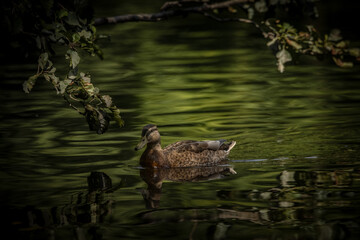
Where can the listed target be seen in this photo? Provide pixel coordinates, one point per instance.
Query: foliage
(286, 41)
(55, 24)
(36, 26)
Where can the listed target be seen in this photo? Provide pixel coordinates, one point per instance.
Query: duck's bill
(141, 144)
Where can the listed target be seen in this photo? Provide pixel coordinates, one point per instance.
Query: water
(296, 159)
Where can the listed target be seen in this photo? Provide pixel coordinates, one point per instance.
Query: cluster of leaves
(99, 110)
(66, 28)
(287, 41)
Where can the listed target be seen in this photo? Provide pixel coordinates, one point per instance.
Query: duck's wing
(199, 146)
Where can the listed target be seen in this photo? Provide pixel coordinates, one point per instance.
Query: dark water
(297, 154)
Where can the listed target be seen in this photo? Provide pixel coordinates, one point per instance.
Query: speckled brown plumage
(180, 154)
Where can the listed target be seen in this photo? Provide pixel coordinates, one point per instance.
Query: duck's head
(149, 135)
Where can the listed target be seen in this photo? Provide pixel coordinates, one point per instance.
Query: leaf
(107, 100)
(283, 57)
(355, 52)
(97, 119)
(260, 6)
(335, 35)
(294, 44)
(52, 70)
(76, 37)
(29, 84)
(342, 44)
(316, 50)
(74, 58)
(43, 59)
(274, 40)
(72, 19)
(54, 79)
(90, 89)
(116, 116)
(86, 34)
(85, 77)
(49, 64)
(63, 13)
(47, 77)
(251, 13)
(63, 85)
(93, 29)
(72, 73)
(342, 64)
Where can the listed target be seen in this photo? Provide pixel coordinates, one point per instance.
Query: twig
(72, 106)
(180, 3)
(155, 17)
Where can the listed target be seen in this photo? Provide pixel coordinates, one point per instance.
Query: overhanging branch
(165, 14)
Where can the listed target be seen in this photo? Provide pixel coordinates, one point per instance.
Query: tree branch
(155, 17)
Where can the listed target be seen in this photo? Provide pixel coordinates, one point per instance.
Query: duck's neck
(154, 146)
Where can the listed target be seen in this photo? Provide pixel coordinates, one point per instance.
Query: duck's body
(181, 154)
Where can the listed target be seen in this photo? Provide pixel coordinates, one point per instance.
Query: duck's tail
(231, 145)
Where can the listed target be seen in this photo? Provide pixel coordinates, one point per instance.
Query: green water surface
(297, 154)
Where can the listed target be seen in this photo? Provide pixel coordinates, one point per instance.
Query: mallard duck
(180, 154)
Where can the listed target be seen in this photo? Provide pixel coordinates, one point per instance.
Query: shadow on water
(304, 205)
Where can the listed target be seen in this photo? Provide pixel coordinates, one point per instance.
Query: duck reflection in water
(155, 177)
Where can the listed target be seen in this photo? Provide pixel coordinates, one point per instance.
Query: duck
(188, 153)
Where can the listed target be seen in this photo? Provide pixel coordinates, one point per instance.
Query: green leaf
(342, 64)
(47, 77)
(43, 59)
(29, 84)
(90, 89)
(271, 42)
(85, 77)
(283, 57)
(107, 100)
(63, 85)
(97, 119)
(52, 70)
(260, 6)
(251, 13)
(54, 79)
(76, 37)
(355, 52)
(316, 50)
(86, 34)
(116, 116)
(72, 19)
(335, 35)
(342, 44)
(294, 44)
(74, 58)
(93, 29)
(63, 13)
